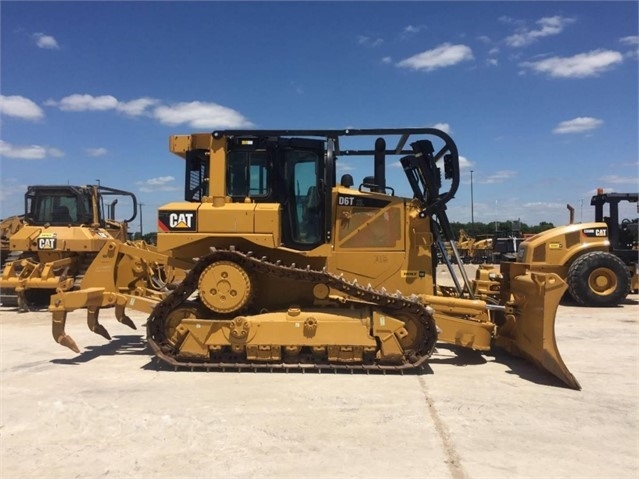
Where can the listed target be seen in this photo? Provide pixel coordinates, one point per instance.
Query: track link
(381, 300)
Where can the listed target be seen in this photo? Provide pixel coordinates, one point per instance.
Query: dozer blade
(528, 330)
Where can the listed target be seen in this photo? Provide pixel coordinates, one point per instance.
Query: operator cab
(73, 205)
(296, 170)
(57, 206)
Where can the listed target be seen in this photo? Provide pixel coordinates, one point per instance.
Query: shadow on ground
(459, 356)
(526, 370)
(119, 345)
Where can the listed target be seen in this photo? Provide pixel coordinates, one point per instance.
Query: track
(381, 301)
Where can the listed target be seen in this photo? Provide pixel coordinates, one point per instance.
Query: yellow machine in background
(8, 227)
(61, 233)
(287, 268)
(598, 260)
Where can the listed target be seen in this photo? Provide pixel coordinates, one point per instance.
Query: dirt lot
(109, 412)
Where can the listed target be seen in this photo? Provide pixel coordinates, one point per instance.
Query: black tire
(8, 298)
(598, 279)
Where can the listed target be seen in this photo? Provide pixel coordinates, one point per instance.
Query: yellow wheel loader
(63, 229)
(290, 269)
(598, 260)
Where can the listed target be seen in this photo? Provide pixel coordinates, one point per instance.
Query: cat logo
(595, 232)
(47, 241)
(177, 220)
(181, 221)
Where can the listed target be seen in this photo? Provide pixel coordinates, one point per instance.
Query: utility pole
(472, 202)
(141, 231)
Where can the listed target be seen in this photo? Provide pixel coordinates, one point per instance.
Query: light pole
(472, 202)
(141, 232)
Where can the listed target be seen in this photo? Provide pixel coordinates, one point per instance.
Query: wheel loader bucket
(528, 325)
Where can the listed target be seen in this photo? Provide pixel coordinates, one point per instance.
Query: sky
(541, 98)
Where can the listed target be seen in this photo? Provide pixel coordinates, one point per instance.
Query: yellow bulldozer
(60, 234)
(290, 269)
(8, 227)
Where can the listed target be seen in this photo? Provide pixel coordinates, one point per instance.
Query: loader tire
(598, 279)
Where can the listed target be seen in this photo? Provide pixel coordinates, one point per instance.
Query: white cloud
(577, 125)
(95, 152)
(465, 163)
(578, 66)
(631, 41)
(387, 60)
(410, 30)
(46, 41)
(498, 177)
(30, 152)
(444, 55)
(20, 107)
(510, 20)
(445, 127)
(196, 114)
(160, 183)
(368, 41)
(86, 102)
(136, 107)
(619, 180)
(544, 205)
(547, 26)
(200, 115)
(492, 62)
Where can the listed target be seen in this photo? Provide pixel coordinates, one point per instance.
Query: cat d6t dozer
(289, 269)
(61, 232)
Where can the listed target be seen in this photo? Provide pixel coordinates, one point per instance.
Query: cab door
(303, 170)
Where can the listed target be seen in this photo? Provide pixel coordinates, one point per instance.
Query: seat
(61, 215)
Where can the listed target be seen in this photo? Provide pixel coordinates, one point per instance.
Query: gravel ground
(110, 412)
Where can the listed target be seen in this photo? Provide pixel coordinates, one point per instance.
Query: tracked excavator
(290, 269)
(60, 234)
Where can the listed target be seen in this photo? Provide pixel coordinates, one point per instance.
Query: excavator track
(408, 308)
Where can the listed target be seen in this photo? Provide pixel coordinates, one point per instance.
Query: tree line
(503, 228)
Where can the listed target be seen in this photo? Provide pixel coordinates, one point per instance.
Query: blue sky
(540, 97)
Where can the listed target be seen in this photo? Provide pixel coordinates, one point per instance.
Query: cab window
(248, 174)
